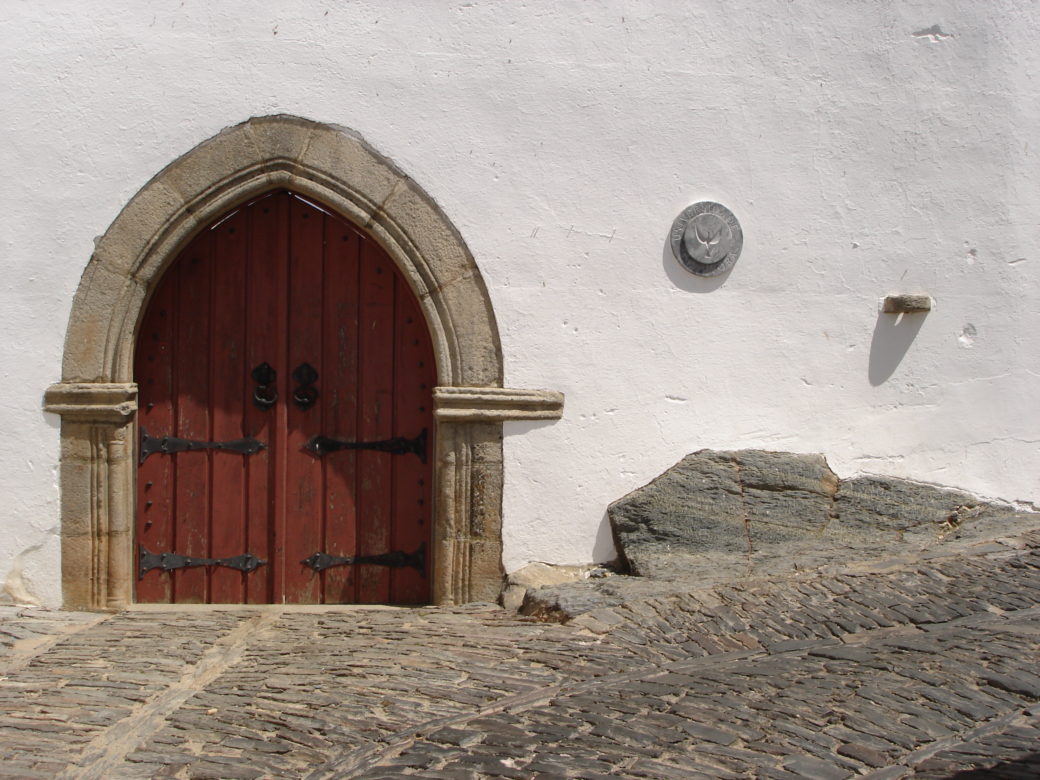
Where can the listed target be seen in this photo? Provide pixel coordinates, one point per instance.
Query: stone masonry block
(148, 213)
(372, 177)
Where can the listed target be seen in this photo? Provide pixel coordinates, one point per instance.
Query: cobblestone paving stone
(24, 632)
(927, 668)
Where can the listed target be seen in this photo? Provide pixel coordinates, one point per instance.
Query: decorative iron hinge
(168, 445)
(247, 562)
(398, 445)
(397, 559)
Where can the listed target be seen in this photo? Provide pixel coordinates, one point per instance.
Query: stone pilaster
(468, 536)
(97, 491)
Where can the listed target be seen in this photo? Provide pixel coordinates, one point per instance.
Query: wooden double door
(285, 377)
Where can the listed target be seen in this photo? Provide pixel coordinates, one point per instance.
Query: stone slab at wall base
(721, 516)
(539, 575)
(97, 398)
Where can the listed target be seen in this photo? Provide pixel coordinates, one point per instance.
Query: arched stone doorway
(97, 398)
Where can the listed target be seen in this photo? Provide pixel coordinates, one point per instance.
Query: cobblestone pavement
(920, 669)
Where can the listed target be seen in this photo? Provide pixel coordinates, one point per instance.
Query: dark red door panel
(235, 503)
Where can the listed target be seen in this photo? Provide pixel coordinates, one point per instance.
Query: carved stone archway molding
(97, 398)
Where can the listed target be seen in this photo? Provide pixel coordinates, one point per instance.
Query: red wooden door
(285, 374)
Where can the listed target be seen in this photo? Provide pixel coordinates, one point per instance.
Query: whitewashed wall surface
(868, 148)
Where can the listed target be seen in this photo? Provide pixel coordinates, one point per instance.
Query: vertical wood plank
(304, 473)
(415, 377)
(192, 494)
(375, 418)
(267, 332)
(339, 387)
(153, 371)
(229, 382)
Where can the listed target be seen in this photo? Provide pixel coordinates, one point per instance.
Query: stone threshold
(279, 608)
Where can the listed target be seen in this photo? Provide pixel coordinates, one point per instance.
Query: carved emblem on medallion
(706, 238)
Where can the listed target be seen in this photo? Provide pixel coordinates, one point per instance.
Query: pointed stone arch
(97, 398)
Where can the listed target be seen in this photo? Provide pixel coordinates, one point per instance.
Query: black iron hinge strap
(398, 445)
(167, 445)
(397, 559)
(167, 561)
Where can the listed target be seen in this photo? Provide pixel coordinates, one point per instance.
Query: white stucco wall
(862, 156)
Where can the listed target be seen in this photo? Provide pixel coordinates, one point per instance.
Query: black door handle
(306, 394)
(264, 395)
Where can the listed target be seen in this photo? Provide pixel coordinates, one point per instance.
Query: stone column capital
(92, 402)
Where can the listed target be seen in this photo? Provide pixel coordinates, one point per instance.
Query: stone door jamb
(97, 399)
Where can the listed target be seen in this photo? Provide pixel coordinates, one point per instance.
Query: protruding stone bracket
(85, 402)
(495, 404)
(906, 304)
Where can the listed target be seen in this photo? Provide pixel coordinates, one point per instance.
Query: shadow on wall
(893, 335)
(687, 281)
(604, 550)
(522, 427)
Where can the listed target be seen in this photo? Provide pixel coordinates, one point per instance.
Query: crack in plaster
(18, 590)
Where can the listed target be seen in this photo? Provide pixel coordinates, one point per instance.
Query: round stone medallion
(706, 238)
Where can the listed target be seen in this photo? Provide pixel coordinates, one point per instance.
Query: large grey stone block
(752, 515)
(899, 505)
(723, 502)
